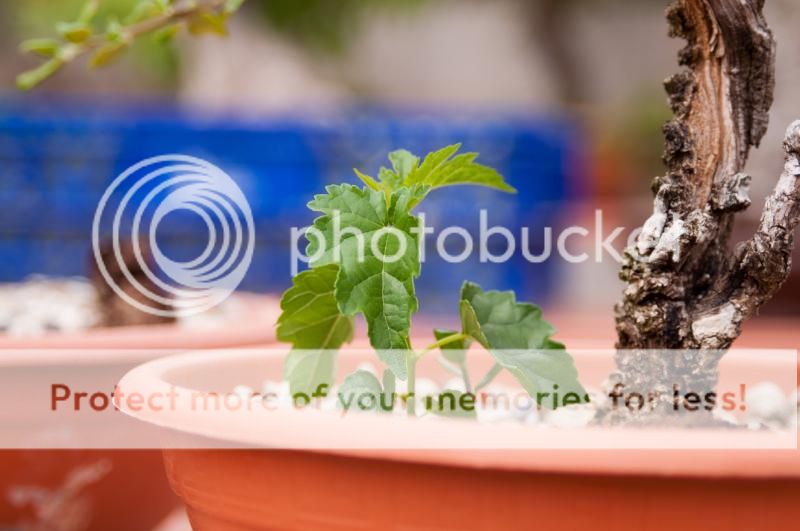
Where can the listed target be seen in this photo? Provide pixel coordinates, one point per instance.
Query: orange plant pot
(100, 490)
(336, 485)
(83, 489)
(269, 490)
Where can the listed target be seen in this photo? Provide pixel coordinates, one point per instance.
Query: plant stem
(449, 340)
(178, 13)
(452, 368)
(182, 11)
(486, 380)
(443, 343)
(411, 401)
(465, 377)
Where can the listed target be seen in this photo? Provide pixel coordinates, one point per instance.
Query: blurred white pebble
(571, 417)
(243, 391)
(767, 404)
(39, 305)
(368, 367)
(270, 390)
(455, 384)
(426, 387)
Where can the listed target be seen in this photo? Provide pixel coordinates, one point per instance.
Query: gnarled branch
(686, 288)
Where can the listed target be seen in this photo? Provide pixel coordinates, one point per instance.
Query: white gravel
(41, 304)
(768, 406)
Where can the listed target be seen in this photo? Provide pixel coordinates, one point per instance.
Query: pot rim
(141, 338)
(658, 452)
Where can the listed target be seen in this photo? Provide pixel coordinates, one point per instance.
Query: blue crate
(58, 157)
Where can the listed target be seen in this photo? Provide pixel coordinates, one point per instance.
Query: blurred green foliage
(320, 25)
(150, 57)
(324, 25)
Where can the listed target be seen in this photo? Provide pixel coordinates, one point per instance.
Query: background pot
(72, 490)
(337, 486)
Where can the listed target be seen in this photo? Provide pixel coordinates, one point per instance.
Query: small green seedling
(370, 269)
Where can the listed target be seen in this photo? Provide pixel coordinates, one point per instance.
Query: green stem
(489, 377)
(465, 377)
(178, 13)
(443, 343)
(439, 344)
(452, 368)
(411, 364)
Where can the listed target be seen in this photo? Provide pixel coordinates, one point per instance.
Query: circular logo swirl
(143, 196)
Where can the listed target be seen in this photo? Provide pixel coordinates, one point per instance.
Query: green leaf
(89, 11)
(417, 193)
(378, 268)
(75, 32)
(209, 23)
(395, 359)
(455, 352)
(440, 168)
(107, 54)
(545, 370)
(232, 6)
(166, 34)
(143, 10)
(445, 168)
(404, 163)
(470, 323)
(311, 317)
(361, 391)
(519, 340)
(31, 78)
(115, 32)
(312, 323)
(452, 404)
(42, 47)
(497, 321)
(309, 371)
(369, 181)
(390, 181)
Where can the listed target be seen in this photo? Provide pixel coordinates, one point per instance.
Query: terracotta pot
(83, 489)
(334, 483)
(77, 490)
(258, 328)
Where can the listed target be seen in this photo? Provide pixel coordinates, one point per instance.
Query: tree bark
(549, 29)
(686, 288)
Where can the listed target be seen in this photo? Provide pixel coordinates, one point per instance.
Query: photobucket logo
(134, 205)
(490, 244)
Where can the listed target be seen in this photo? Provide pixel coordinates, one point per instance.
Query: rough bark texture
(116, 311)
(686, 288)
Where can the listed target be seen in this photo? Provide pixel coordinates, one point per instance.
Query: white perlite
(41, 304)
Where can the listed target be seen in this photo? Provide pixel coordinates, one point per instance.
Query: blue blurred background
(59, 156)
(553, 93)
